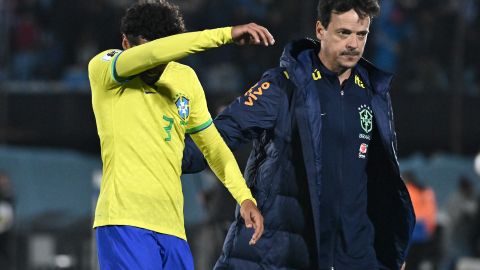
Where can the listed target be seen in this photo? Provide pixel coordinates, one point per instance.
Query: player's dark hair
(364, 8)
(151, 20)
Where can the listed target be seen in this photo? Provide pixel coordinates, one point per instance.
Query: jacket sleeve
(244, 119)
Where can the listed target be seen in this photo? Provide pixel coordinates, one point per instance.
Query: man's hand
(252, 34)
(253, 218)
(403, 266)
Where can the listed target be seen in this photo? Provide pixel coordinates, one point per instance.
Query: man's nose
(352, 42)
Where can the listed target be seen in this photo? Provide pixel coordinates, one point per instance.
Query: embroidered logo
(359, 82)
(183, 107)
(366, 118)
(364, 136)
(316, 75)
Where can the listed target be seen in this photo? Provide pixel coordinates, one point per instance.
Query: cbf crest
(183, 107)
(366, 118)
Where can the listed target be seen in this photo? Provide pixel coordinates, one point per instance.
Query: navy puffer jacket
(282, 116)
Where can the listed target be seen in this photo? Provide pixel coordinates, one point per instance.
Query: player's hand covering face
(253, 219)
(252, 34)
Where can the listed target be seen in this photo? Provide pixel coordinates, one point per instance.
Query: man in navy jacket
(323, 167)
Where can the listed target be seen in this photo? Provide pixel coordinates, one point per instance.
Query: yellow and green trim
(114, 71)
(200, 128)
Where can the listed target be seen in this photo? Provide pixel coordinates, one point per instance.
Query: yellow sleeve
(161, 51)
(199, 117)
(222, 162)
(206, 137)
(100, 70)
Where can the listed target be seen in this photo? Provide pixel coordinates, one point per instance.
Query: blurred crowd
(430, 45)
(446, 238)
(53, 40)
(6, 221)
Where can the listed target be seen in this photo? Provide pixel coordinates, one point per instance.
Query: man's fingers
(253, 219)
(252, 33)
(258, 225)
(248, 220)
(261, 34)
(254, 37)
(264, 35)
(268, 35)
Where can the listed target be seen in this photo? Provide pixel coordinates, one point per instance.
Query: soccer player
(324, 167)
(144, 104)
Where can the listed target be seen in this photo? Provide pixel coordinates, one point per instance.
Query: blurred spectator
(461, 209)
(6, 222)
(424, 62)
(75, 76)
(220, 209)
(26, 58)
(193, 186)
(430, 76)
(472, 87)
(223, 77)
(475, 244)
(393, 28)
(5, 26)
(424, 245)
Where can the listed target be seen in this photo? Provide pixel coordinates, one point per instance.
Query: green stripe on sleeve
(114, 71)
(200, 128)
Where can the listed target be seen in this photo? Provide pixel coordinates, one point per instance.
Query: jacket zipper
(337, 225)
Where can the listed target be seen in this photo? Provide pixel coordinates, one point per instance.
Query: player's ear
(125, 43)
(319, 30)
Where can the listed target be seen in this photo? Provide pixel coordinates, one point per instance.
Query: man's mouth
(350, 54)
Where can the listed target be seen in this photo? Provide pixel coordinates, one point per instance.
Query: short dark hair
(364, 8)
(151, 20)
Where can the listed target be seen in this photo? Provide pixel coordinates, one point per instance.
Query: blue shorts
(132, 248)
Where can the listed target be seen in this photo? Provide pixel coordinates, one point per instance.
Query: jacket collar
(297, 59)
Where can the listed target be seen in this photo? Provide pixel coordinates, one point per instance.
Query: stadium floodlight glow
(476, 164)
(63, 261)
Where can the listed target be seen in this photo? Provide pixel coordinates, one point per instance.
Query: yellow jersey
(142, 130)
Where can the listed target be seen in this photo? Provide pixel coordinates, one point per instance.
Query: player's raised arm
(149, 54)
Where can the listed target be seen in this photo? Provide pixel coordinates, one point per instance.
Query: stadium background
(50, 150)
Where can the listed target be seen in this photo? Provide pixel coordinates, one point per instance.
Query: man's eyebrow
(351, 31)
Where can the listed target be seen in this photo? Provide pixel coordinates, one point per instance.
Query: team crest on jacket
(183, 107)
(366, 118)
